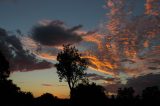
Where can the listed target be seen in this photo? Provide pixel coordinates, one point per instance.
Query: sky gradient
(24, 14)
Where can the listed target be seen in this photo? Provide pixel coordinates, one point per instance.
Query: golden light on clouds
(46, 56)
(125, 43)
(97, 63)
(95, 38)
(121, 48)
(152, 7)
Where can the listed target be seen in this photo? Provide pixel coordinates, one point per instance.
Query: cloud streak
(95, 77)
(47, 85)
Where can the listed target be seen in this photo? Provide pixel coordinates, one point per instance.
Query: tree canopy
(71, 65)
(4, 67)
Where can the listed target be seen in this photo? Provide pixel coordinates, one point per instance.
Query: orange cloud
(152, 7)
(47, 56)
(95, 38)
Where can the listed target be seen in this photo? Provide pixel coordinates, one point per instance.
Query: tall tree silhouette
(71, 65)
(4, 67)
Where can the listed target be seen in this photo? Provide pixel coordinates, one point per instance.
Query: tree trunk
(69, 84)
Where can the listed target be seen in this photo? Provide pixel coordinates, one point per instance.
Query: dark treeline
(84, 93)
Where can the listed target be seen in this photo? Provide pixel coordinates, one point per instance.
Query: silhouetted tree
(4, 67)
(71, 65)
(151, 92)
(151, 95)
(125, 96)
(10, 94)
(126, 93)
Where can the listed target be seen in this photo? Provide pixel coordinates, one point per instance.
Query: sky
(24, 14)
(121, 39)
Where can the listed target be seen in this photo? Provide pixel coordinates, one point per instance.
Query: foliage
(151, 93)
(88, 93)
(71, 65)
(126, 93)
(4, 67)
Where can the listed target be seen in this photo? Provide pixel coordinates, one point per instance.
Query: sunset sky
(120, 38)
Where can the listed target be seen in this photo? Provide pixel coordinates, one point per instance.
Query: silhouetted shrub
(46, 99)
(151, 95)
(88, 94)
(126, 93)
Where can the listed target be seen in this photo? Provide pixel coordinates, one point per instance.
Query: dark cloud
(91, 32)
(138, 83)
(3, 32)
(155, 61)
(75, 28)
(128, 60)
(49, 50)
(153, 68)
(19, 58)
(91, 75)
(55, 33)
(94, 76)
(47, 85)
(141, 82)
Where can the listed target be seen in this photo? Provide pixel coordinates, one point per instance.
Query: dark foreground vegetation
(82, 94)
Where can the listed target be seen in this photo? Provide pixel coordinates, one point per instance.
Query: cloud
(41, 51)
(141, 82)
(126, 46)
(94, 76)
(3, 32)
(128, 60)
(48, 85)
(55, 33)
(91, 75)
(138, 83)
(75, 28)
(153, 68)
(19, 58)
